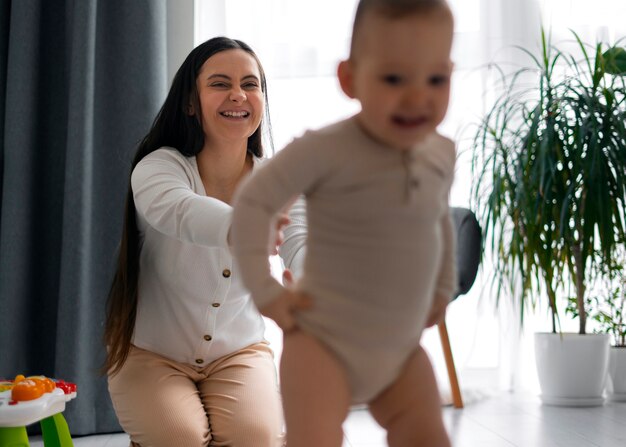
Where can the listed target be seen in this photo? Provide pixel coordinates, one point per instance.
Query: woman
(187, 361)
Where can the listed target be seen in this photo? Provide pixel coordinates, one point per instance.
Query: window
(300, 44)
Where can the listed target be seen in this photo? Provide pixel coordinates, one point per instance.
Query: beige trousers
(234, 401)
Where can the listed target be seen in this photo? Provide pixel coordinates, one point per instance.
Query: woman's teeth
(242, 114)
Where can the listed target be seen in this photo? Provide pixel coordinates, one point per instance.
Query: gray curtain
(80, 83)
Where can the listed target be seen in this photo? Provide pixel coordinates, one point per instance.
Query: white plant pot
(572, 368)
(616, 382)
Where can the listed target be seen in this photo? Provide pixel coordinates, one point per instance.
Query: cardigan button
(199, 361)
(226, 273)
(215, 304)
(207, 338)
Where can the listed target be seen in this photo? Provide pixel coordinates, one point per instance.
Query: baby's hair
(394, 9)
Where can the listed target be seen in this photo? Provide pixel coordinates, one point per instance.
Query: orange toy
(31, 388)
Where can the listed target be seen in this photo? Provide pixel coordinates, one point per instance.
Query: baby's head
(399, 68)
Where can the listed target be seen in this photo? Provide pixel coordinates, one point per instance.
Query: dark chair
(468, 254)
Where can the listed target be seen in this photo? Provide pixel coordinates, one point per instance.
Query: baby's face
(400, 73)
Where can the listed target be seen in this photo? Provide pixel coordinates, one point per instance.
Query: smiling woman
(187, 360)
(229, 104)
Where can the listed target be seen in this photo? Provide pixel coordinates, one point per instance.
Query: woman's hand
(281, 310)
(281, 222)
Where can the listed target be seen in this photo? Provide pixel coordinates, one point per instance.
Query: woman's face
(231, 99)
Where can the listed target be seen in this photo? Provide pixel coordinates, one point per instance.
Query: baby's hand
(437, 309)
(281, 222)
(282, 308)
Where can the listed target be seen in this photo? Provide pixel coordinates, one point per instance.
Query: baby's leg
(410, 409)
(316, 395)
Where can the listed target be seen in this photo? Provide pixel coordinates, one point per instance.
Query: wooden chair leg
(457, 400)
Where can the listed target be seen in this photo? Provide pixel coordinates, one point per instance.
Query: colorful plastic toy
(26, 400)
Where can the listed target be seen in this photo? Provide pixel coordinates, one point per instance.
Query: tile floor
(502, 420)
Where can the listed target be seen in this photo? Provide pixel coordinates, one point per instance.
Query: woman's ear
(190, 110)
(345, 75)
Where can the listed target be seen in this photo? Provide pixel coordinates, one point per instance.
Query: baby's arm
(271, 189)
(437, 309)
(252, 228)
(447, 282)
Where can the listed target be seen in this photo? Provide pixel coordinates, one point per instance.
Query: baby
(379, 265)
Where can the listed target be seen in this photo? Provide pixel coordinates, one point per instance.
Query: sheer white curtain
(300, 43)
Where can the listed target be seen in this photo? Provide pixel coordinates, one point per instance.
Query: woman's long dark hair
(173, 127)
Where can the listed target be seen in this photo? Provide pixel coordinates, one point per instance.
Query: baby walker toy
(26, 400)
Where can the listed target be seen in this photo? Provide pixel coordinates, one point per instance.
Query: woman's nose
(238, 95)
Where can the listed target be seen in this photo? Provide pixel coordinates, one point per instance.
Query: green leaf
(548, 163)
(615, 61)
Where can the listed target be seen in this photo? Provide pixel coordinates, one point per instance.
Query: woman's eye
(392, 79)
(250, 85)
(219, 85)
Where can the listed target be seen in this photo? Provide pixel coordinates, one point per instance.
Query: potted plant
(607, 309)
(549, 162)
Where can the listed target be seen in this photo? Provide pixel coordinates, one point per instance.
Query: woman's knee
(168, 429)
(170, 433)
(258, 434)
(166, 414)
(257, 430)
(185, 433)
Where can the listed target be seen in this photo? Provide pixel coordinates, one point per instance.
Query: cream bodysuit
(379, 245)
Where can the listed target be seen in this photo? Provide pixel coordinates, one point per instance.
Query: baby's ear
(345, 75)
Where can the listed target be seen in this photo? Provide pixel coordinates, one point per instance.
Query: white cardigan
(193, 307)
